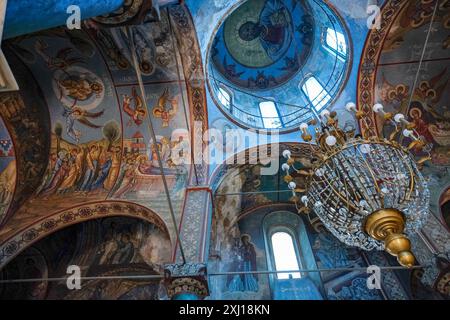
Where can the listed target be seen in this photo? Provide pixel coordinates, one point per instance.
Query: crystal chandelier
(368, 191)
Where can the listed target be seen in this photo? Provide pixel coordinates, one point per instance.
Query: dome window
(225, 98)
(315, 93)
(269, 114)
(285, 255)
(335, 42)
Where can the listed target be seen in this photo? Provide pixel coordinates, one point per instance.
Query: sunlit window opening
(315, 93)
(285, 256)
(336, 42)
(224, 98)
(270, 116)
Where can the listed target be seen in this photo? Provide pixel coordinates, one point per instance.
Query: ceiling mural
(426, 105)
(266, 51)
(99, 133)
(263, 43)
(26, 117)
(93, 168)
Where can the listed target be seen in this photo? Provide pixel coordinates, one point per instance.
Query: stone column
(189, 281)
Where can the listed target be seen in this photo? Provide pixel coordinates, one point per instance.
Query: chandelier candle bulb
(304, 199)
(331, 140)
(325, 114)
(351, 107)
(409, 133)
(305, 134)
(286, 154)
(378, 107)
(400, 118)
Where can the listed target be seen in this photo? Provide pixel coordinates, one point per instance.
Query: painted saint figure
(274, 30)
(72, 175)
(125, 250)
(244, 260)
(115, 168)
(248, 254)
(91, 163)
(105, 167)
(60, 172)
(166, 108)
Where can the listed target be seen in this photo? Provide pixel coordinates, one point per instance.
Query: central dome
(273, 64)
(263, 44)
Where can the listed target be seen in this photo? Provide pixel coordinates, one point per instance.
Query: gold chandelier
(367, 190)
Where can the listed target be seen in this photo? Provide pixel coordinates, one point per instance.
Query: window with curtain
(285, 255)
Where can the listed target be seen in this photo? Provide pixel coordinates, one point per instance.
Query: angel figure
(82, 116)
(162, 111)
(64, 58)
(135, 113)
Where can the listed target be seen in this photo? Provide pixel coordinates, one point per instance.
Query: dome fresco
(263, 43)
(290, 56)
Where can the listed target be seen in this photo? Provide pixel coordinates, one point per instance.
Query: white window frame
(323, 95)
(335, 51)
(221, 97)
(277, 255)
(270, 117)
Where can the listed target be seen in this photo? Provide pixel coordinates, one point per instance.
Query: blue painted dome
(273, 64)
(263, 44)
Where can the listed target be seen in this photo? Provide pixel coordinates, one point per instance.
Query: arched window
(315, 93)
(335, 42)
(269, 114)
(224, 98)
(285, 255)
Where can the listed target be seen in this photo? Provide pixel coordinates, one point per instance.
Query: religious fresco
(242, 188)
(108, 246)
(139, 177)
(263, 43)
(26, 118)
(426, 105)
(99, 137)
(156, 51)
(7, 170)
(243, 199)
(242, 249)
(84, 118)
(341, 284)
(259, 47)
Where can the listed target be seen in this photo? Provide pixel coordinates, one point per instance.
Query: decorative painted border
(188, 45)
(128, 13)
(44, 227)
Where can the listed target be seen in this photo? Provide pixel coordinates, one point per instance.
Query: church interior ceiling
(83, 181)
